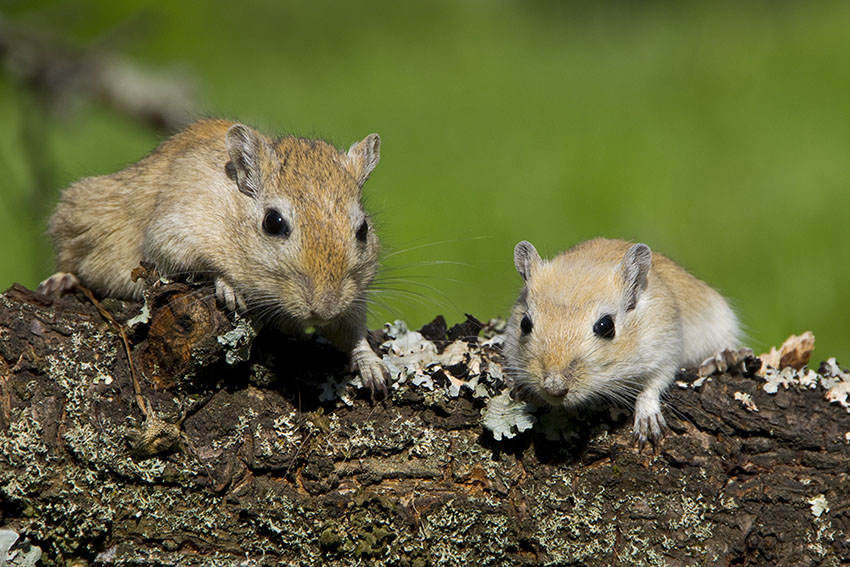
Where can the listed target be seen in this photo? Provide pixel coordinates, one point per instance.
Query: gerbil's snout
(323, 302)
(556, 385)
(325, 307)
(327, 287)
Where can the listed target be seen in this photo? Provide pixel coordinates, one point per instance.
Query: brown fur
(195, 206)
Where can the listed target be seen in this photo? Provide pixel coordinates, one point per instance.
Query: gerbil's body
(276, 225)
(608, 320)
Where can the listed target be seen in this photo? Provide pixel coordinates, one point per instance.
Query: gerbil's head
(308, 249)
(577, 331)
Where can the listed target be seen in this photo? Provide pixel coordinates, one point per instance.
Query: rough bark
(240, 462)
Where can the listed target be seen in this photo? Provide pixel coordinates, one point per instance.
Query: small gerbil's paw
(372, 371)
(649, 429)
(228, 296)
(726, 359)
(58, 283)
(649, 423)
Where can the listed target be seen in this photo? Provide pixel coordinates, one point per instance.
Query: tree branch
(276, 461)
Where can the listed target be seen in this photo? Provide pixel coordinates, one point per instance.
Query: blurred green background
(718, 133)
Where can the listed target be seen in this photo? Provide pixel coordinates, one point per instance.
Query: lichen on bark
(280, 460)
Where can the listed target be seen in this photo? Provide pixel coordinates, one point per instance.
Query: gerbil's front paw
(649, 423)
(372, 371)
(727, 359)
(228, 296)
(58, 283)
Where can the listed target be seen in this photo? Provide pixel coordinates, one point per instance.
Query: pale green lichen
(637, 550)
(819, 505)
(823, 538)
(237, 342)
(339, 389)
(408, 352)
(506, 417)
(143, 317)
(468, 532)
(286, 426)
(104, 446)
(570, 526)
(100, 443)
(728, 502)
(262, 375)
(424, 445)
(691, 521)
(565, 519)
(83, 506)
(237, 436)
(355, 440)
(23, 555)
(465, 453)
(287, 524)
(365, 535)
(834, 380)
(22, 447)
(411, 359)
(109, 453)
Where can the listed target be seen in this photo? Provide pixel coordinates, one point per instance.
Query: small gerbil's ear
(244, 146)
(636, 266)
(526, 259)
(364, 156)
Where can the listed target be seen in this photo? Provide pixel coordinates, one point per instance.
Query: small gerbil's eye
(526, 325)
(604, 328)
(274, 224)
(362, 231)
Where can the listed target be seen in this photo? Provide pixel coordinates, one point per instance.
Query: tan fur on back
(179, 209)
(697, 304)
(196, 207)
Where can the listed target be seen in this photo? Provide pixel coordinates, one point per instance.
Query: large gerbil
(276, 225)
(609, 320)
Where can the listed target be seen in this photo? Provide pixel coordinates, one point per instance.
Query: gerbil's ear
(244, 147)
(526, 259)
(636, 266)
(364, 156)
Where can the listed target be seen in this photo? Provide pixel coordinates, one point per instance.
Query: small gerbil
(610, 321)
(276, 225)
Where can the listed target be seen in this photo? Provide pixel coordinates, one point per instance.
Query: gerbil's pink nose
(556, 385)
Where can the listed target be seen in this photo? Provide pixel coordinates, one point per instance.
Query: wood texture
(253, 469)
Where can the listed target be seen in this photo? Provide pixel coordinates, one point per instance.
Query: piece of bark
(266, 473)
(795, 352)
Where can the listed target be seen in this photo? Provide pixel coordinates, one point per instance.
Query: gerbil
(609, 321)
(276, 225)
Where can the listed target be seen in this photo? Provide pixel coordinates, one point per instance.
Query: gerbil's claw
(649, 428)
(723, 361)
(228, 296)
(58, 283)
(375, 377)
(372, 371)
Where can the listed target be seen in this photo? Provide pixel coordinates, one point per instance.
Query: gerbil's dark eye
(526, 325)
(274, 224)
(362, 231)
(604, 328)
